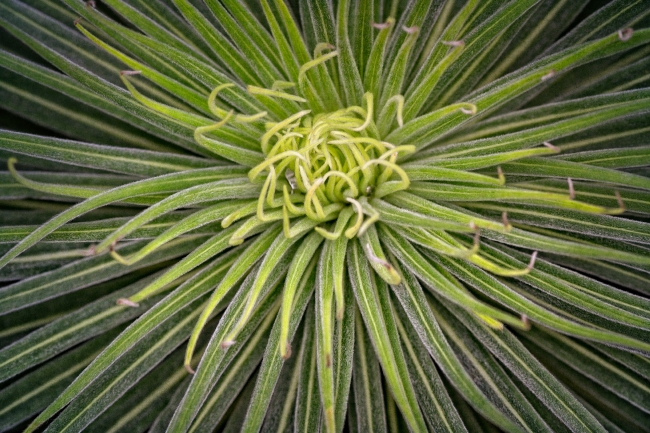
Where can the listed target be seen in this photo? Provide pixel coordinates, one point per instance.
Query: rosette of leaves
(324, 216)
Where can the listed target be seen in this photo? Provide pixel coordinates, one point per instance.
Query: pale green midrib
(630, 83)
(90, 230)
(601, 138)
(60, 280)
(234, 368)
(582, 193)
(80, 117)
(109, 157)
(50, 256)
(29, 325)
(504, 400)
(310, 388)
(291, 396)
(612, 368)
(60, 335)
(151, 396)
(134, 364)
(557, 217)
(422, 374)
(70, 371)
(522, 46)
(82, 53)
(366, 379)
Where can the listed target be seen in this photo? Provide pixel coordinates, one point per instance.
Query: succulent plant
(352, 215)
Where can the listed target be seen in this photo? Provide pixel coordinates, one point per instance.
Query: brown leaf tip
(552, 147)
(127, 303)
(287, 349)
(531, 264)
(548, 75)
(453, 43)
(525, 322)
(227, 343)
(625, 34)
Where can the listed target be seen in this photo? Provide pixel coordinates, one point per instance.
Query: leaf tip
(625, 34)
(227, 343)
(550, 74)
(127, 303)
(286, 351)
(552, 147)
(531, 264)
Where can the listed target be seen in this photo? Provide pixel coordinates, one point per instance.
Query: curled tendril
(222, 113)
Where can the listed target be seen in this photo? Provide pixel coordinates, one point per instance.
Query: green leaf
(499, 291)
(437, 407)
(378, 317)
(138, 407)
(232, 381)
(34, 392)
(126, 161)
(83, 273)
(421, 131)
(368, 395)
(125, 372)
(324, 335)
(488, 373)
(308, 408)
(162, 313)
(65, 332)
(530, 371)
(574, 170)
(166, 183)
(272, 362)
(588, 362)
(416, 307)
(612, 158)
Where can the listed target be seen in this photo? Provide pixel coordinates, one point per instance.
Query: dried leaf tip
(471, 109)
(625, 34)
(504, 219)
(619, 200)
(500, 175)
(287, 351)
(411, 30)
(127, 303)
(552, 147)
(227, 343)
(381, 26)
(531, 264)
(550, 74)
(454, 43)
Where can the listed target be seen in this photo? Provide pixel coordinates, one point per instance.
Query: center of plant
(327, 166)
